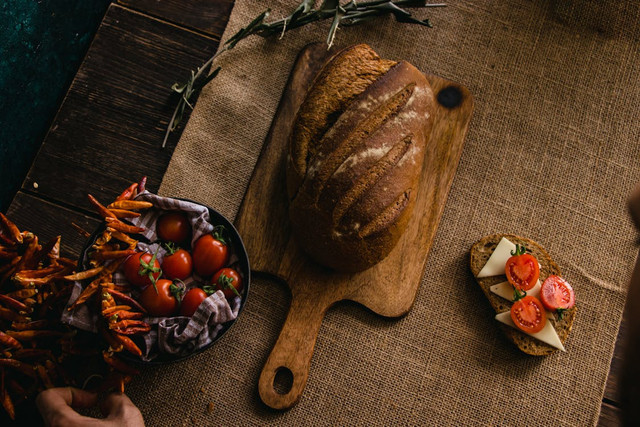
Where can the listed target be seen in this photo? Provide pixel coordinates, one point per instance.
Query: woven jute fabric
(551, 154)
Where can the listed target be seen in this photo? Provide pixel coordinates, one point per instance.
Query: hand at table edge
(56, 405)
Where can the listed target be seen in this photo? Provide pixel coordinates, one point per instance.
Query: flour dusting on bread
(355, 156)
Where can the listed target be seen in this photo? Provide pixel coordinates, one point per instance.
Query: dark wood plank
(110, 127)
(611, 392)
(610, 416)
(48, 220)
(207, 16)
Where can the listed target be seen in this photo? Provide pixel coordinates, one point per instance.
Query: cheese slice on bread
(481, 252)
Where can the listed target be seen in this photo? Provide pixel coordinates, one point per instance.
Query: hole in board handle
(450, 97)
(283, 380)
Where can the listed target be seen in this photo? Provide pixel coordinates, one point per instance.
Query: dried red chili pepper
(21, 294)
(9, 340)
(12, 316)
(109, 255)
(122, 315)
(16, 388)
(115, 381)
(87, 293)
(14, 304)
(126, 299)
(110, 338)
(128, 344)
(121, 226)
(130, 204)
(111, 310)
(66, 262)
(104, 238)
(37, 281)
(123, 238)
(50, 250)
(11, 229)
(21, 367)
(123, 213)
(103, 211)
(128, 193)
(8, 406)
(118, 364)
(107, 301)
(7, 254)
(27, 326)
(11, 265)
(122, 325)
(6, 239)
(142, 185)
(28, 257)
(84, 274)
(132, 330)
(34, 274)
(44, 376)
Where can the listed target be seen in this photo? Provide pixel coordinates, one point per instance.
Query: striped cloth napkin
(179, 335)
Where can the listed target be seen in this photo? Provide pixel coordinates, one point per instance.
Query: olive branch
(351, 13)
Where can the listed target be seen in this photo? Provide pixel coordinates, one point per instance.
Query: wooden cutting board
(389, 288)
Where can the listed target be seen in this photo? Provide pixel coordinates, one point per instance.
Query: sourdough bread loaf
(356, 152)
(480, 253)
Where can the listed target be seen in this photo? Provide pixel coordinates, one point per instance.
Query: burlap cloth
(551, 154)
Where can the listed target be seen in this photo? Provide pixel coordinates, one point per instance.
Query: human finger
(55, 404)
(119, 408)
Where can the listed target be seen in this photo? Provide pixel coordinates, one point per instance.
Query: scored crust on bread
(355, 156)
(480, 253)
(344, 76)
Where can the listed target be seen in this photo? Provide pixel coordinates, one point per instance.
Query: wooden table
(109, 128)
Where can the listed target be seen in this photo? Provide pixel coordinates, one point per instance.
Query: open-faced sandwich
(534, 304)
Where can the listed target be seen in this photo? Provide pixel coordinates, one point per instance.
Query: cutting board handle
(293, 352)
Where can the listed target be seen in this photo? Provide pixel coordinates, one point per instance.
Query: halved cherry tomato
(176, 264)
(210, 254)
(528, 314)
(173, 227)
(556, 293)
(140, 267)
(161, 302)
(522, 269)
(191, 301)
(229, 281)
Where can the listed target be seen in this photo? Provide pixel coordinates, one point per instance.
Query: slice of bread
(480, 253)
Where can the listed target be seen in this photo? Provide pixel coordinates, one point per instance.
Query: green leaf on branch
(348, 14)
(248, 30)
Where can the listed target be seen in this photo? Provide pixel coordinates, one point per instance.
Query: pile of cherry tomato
(556, 294)
(162, 291)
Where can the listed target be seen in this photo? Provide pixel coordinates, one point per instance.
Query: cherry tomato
(210, 254)
(139, 267)
(191, 301)
(177, 265)
(522, 269)
(528, 314)
(163, 302)
(556, 293)
(229, 281)
(173, 227)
